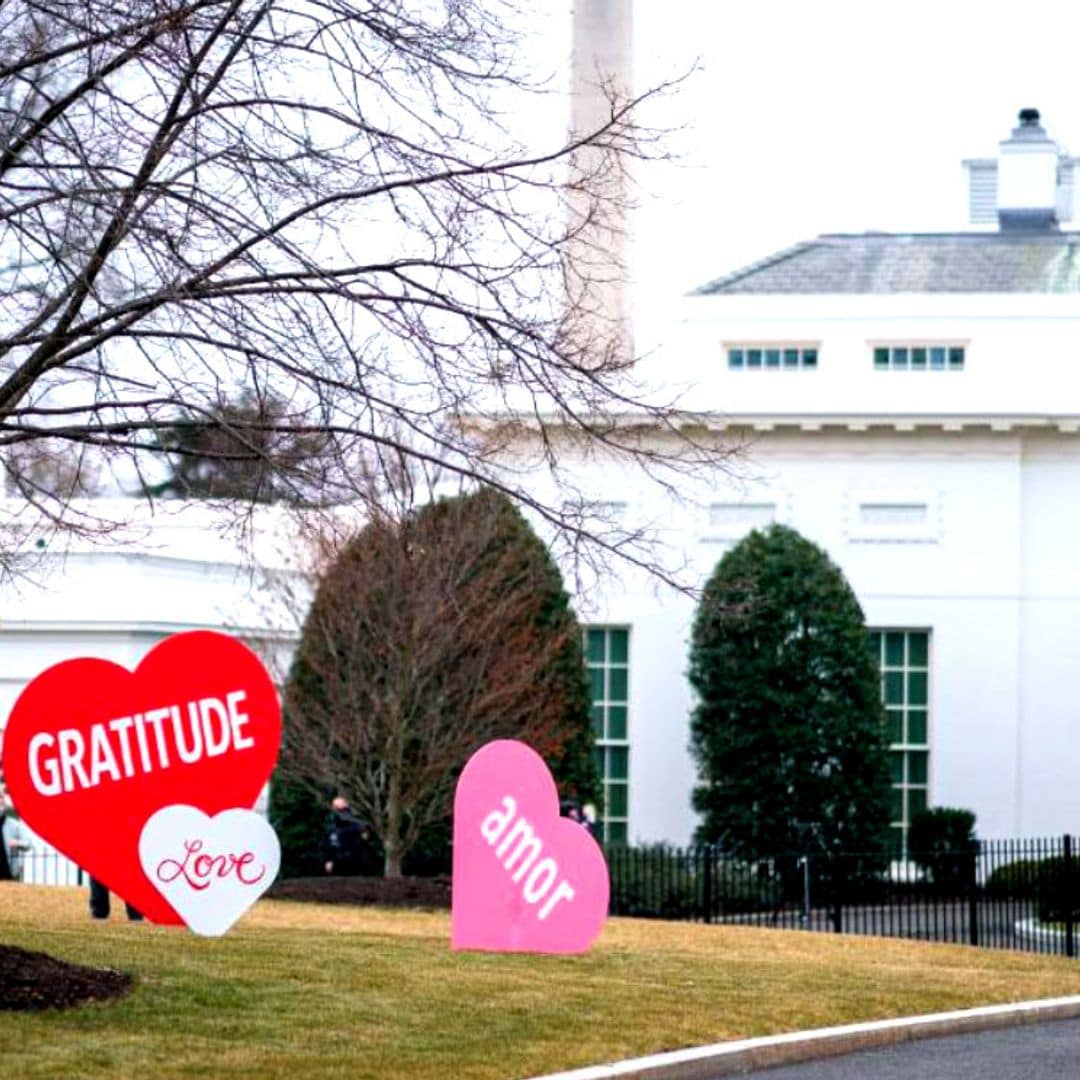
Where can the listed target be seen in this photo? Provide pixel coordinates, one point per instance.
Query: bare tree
(316, 200)
(46, 470)
(431, 634)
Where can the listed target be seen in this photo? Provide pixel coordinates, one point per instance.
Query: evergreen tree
(428, 637)
(788, 732)
(242, 450)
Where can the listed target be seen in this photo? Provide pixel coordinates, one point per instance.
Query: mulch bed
(32, 980)
(407, 892)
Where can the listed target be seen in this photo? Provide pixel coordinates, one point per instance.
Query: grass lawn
(298, 990)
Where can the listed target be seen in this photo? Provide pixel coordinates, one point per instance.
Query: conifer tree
(788, 732)
(428, 637)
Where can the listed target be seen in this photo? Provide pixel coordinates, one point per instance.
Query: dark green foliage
(1058, 890)
(788, 733)
(659, 881)
(941, 842)
(1017, 880)
(242, 450)
(1052, 883)
(297, 814)
(431, 855)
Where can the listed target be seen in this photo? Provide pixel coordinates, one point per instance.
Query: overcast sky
(835, 116)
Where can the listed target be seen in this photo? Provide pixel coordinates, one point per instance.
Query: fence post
(804, 862)
(707, 892)
(836, 870)
(972, 870)
(1070, 944)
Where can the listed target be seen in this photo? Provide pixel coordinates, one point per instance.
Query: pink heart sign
(524, 879)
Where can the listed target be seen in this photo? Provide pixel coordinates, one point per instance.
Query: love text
(199, 869)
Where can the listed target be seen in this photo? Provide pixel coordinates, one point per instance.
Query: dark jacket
(345, 838)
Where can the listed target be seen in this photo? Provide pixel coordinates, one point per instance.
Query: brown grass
(310, 990)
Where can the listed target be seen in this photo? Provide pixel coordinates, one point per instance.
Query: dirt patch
(32, 980)
(410, 892)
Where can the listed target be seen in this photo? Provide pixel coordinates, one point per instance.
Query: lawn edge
(742, 1055)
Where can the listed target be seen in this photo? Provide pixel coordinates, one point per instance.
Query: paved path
(1049, 1051)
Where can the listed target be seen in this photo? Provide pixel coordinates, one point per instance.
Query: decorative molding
(28, 628)
(727, 519)
(904, 423)
(893, 516)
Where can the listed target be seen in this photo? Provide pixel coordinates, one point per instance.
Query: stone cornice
(904, 424)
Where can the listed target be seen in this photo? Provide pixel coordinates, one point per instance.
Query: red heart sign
(92, 750)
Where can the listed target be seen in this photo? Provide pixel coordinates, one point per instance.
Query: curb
(744, 1055)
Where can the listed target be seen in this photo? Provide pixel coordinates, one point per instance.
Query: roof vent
(1027, 195)
(1030, 184)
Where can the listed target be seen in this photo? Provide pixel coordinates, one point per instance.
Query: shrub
(942, 844)
(1050, 882)
(788, 731)
(1057, 891)
(654, 881)
(1017, 880)
(659, 881)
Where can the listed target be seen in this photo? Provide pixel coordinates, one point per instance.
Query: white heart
(211, 870)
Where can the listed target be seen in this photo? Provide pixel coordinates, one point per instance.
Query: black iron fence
(43, 866)
(1006, 894)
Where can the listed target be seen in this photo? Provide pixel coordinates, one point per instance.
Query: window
(777, 357)
(605, 511)
(919, 357)
(900, 515)
(894, 516)
(607, 660)
(732, 520)
(904, 659)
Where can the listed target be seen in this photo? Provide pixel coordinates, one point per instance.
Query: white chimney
(1027, 186)
(1030, 185)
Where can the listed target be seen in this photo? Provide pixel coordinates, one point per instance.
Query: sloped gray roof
(1043, 262)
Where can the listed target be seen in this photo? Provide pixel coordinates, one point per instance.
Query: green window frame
(607, 663)
(778, 357)
(933, 356)
(903, 656)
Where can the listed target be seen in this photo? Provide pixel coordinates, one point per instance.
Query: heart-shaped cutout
(524, 878)
(92, 750)
(209, 869)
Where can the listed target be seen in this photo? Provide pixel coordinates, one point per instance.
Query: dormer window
(772, 356)
(929, 356)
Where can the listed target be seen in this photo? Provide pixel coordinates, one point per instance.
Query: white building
(908, 402)
(162, 571)
(912, 405)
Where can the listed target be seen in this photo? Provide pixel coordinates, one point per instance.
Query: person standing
(99, 903)
(14, 843)
(5, 865)
(344, 839)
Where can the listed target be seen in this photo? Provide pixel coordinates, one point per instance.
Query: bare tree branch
(316, 200)
(431, 633)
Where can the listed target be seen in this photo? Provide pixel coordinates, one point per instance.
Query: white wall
(1021, 347)
(160, 574)
(994, 580)
(1049, 754)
